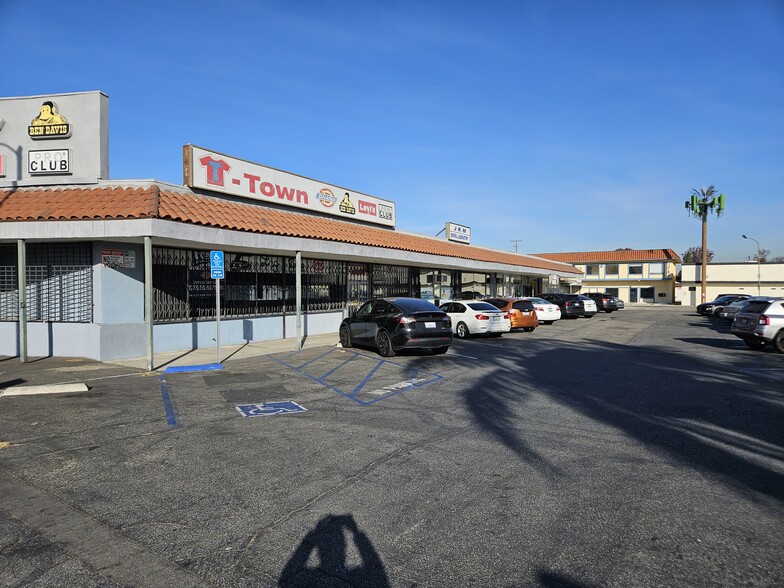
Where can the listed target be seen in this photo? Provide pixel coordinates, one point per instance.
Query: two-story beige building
(634, 275)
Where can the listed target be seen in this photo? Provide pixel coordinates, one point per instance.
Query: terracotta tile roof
(183, 205)
(616, 255)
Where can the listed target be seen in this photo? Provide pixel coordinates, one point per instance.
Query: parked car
(709, 308)
(606, 302)
(546, 312)
(521, 311)
(761, 322)
(476, 317)
(392, 324)
(571, 305)
(728, 311)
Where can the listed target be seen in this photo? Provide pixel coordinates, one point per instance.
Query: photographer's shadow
(329, 540)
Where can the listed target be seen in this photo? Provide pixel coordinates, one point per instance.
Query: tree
(763, 256)
(702, 202)
(778, 259)
(694, 255)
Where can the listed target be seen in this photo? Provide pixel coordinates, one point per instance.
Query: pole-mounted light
(759, 289)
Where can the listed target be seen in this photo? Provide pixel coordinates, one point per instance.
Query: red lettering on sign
(252, 182)
(367, 208)
(267, 189)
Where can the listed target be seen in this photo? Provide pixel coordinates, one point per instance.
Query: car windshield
(415, 305)
(538, 301)
(481, 306)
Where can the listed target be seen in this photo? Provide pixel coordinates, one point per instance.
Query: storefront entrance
(642, 294)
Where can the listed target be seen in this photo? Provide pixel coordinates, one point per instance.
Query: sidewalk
(191, 357)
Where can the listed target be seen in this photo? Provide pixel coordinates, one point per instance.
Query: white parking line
(461, 355)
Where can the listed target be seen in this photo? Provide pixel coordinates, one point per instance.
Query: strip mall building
(119, 269)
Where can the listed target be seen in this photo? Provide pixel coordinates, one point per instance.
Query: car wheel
(461, 331)
(440, 350)
(345, 337)
(528, 329)
(384, 345)
(754, 343)
(778, 342)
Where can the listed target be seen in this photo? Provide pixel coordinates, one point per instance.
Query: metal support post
(148, 299)
(21, 255)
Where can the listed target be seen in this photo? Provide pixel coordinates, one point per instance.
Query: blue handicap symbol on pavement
(269, 408)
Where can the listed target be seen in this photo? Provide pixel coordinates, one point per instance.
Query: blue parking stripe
(315, 359)
(365, 381)
(333, 370)
(353, 356)
(171, 419)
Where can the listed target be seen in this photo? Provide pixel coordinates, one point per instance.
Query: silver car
(761, 322)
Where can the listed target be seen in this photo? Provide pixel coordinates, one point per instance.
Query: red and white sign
(220, 173)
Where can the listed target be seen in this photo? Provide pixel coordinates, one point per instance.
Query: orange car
(521, 311)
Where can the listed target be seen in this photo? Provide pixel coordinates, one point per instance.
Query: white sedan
(546, 312)
(472, 317)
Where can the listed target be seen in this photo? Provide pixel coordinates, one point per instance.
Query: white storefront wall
(765, 279)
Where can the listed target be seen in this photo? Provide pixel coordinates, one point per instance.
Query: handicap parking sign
(216, 265)
(269, 408)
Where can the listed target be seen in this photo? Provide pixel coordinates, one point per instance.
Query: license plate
(429, 325)
(494, 318)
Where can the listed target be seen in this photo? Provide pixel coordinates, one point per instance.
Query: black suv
(571, 305)
(606, 302)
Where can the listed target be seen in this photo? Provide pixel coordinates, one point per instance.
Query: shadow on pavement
(723, 426)
(329, 542)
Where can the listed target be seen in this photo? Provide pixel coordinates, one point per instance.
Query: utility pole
(516, 241)
(702, 202)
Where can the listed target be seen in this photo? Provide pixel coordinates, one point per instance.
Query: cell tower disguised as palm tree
(702, 202)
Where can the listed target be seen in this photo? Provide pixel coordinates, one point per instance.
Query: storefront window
(474, 285)
(611, 269)
(255, 285)
(59, 282)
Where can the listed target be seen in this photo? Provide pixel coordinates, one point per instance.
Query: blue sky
(567, 125)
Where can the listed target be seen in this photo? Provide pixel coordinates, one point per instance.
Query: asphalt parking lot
(639, 448)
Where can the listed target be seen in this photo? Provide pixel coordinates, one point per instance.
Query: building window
(393, 280)
(592, 271)
(635, 269)
(611, 291)
(474, 286)
(255, 285)
(59, 283)
(611, 269)
(655, 269)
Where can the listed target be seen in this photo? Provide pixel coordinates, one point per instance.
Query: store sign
(36, 146)
(118, 258)
(216, 172)
(458, 233)
(49, 161)
(49, 124)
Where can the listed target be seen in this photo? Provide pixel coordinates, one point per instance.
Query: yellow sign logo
(49, 124)
(346, 205)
